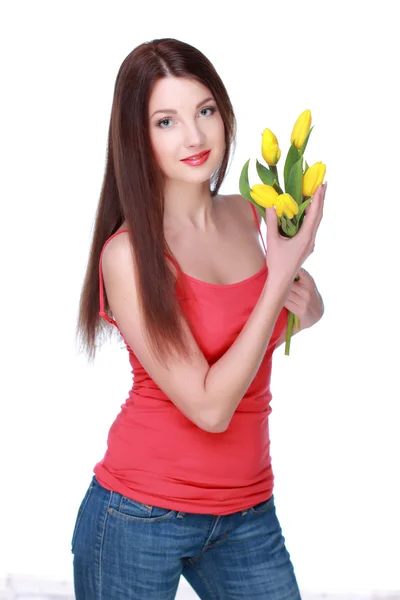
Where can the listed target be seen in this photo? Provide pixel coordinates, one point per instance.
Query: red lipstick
(197, 159)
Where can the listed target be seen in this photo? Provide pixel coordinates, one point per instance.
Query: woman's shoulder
(242, 207)
(116, 245)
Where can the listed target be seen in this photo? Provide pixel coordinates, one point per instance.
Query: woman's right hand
(286, 255)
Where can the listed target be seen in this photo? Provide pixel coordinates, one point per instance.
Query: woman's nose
(194, 136)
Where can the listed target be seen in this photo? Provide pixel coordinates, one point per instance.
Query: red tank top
(157, 456)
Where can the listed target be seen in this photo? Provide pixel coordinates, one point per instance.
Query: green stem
(274, 170)
(278, 188)
(291, 319)
(289, 333)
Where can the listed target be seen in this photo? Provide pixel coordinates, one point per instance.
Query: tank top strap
(173, 260)
(102, 312)
(258, 224)
(181, 279)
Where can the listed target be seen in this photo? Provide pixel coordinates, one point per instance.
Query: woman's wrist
(277, 287)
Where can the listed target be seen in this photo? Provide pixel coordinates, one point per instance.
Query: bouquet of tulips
(300, 183)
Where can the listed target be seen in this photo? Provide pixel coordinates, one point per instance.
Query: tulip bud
(313, 177)
(264, 195)
(301, 129)
(270, 148)
(286, 204)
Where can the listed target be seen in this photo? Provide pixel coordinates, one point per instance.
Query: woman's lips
(199, 160)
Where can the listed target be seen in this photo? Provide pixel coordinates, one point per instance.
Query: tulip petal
(270, 148)
(285, 204)
(301, 129)
(313, 177)
(264, 195)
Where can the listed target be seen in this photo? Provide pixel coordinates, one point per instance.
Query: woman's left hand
(305, 301)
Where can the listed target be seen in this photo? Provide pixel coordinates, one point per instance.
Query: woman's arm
(208, 396)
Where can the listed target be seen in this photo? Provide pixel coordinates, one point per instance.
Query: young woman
(186, 484)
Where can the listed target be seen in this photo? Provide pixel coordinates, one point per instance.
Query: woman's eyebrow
(171, 110)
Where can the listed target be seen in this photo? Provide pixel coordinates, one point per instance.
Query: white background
(335, 419)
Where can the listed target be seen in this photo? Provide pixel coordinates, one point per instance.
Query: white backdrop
(334, 425)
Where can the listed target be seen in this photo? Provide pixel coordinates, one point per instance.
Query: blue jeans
(126, 550)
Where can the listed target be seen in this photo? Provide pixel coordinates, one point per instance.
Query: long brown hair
(133, 190)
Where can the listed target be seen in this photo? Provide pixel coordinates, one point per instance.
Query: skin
(188, 202)
(213, 239)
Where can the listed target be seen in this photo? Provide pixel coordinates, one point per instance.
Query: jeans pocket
(138, 511)
(263, 507)
(80, 513)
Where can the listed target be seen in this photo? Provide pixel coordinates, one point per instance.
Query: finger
(271, 220)
(294, 298)
(305, 279)
(311, 214)
(314, 208)
(314, 212)
(321, 202)
(299, 294)
(293, 307)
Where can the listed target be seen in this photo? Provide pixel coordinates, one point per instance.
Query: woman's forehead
(177, 93)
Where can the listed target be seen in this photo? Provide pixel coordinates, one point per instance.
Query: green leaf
(304, 146)
(244, 186)
(292, 157)
(268, 177)
(291, 229)
(294, 185)
(283, 225)
(306, 169)
(265, 174)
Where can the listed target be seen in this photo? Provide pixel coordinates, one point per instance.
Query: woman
(186, 485)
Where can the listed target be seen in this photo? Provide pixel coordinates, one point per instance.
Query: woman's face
(184, 120)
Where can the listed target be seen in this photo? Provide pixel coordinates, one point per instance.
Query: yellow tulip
(286, 204)
(270, 148)
(264, 195)
(313, 177)
(301, 129)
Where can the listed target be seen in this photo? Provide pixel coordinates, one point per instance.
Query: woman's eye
(161, 122)
(213, 110)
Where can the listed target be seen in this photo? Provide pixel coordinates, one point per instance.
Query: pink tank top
(157, 456)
